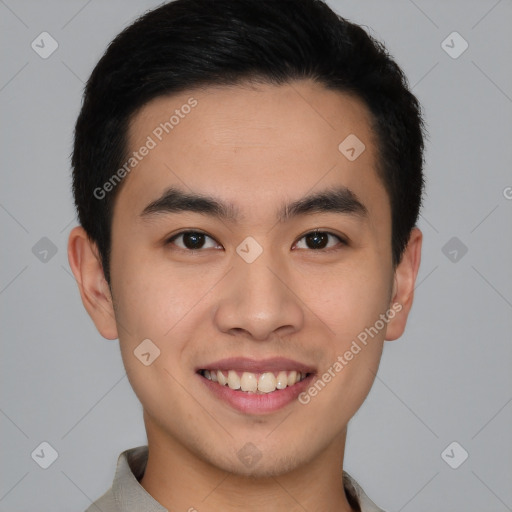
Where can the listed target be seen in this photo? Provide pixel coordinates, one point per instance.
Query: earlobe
(86, 266)
(404, 283)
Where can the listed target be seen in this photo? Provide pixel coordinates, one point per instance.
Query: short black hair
(189, 44)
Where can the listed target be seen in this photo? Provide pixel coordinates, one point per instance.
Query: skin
(256, 147)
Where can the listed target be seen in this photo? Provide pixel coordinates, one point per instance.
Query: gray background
(447, 379)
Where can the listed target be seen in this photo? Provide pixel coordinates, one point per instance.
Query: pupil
(195, 238)
(317, 236)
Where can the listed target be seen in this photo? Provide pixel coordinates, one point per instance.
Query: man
(247, 176)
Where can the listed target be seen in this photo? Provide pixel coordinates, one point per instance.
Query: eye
(318, 240)
(192, 240)
(195, 240)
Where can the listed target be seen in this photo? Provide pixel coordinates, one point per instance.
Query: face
(261, 284)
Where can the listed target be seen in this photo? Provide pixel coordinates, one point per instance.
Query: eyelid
(171, 239)
(341, 238)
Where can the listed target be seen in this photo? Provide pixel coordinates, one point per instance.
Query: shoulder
(105, 503)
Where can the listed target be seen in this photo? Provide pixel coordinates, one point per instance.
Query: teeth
(233, 380)
(248, 382)
(221, 378)
(282, 380)
(266, 382)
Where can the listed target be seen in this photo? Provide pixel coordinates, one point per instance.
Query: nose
(258, 300)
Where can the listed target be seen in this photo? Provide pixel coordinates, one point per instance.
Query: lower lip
(254, 403)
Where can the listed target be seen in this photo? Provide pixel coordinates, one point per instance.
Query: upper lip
(244, 364)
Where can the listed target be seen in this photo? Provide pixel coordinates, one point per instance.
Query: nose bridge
(262, 280)
(258, 300)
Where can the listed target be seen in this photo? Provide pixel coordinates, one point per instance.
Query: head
(253, 124)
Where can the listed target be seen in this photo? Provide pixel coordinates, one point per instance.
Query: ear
(86, 266)
(403, 289)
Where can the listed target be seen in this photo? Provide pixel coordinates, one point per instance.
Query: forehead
(253, 145)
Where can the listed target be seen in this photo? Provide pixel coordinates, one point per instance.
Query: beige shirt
(127, 495)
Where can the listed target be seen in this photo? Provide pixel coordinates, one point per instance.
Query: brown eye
(319, 240)
(191, 240)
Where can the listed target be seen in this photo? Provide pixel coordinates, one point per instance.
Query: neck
(181, 480)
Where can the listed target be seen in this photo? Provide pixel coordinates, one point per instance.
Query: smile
(259, 383)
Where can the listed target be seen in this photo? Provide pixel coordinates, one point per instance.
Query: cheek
(151, 296)
(352, 358)
(360, 313)
(352, 307)
(149, 317)
(351, 299)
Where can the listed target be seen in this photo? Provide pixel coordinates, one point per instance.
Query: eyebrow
(333, 200)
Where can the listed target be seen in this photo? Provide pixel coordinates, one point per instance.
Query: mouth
(251, 382)
(256, 387)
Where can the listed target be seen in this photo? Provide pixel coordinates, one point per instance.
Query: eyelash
(342, 241)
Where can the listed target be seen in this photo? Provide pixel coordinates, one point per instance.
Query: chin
(254, 464)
